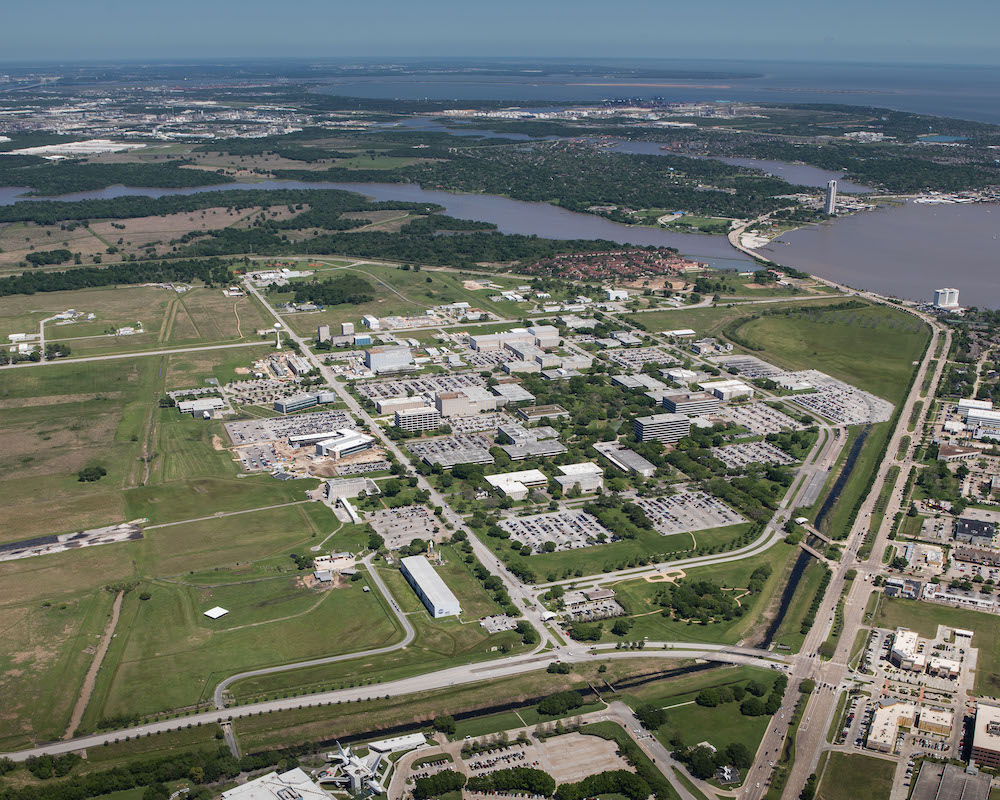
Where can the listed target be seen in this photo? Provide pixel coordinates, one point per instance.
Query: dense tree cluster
(523, 779)
(41, 258)
(560, 703)
(48, 178)
(447, 780)
(211, 271)
(613, 782)
(345, 288)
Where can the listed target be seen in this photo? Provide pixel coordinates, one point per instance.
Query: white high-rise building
(946, 298)
(830, 206)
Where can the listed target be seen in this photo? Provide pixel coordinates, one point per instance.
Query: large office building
(587, 476)
(466, 402)
(418, 419)
(345, 443)
(946, 298)
(497, 341)
(693, 403)
(430, 587)
(728, 389)
(298, 402)
(390, 358)
(978, 533)
(516, 485)
(662, 427)
(292, 785)
(830, 203)
(626, 460)
(986, 736)
(967, 405)
(201, 407)
(545, 335)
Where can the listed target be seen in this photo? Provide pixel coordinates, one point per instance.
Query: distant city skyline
(917, 31)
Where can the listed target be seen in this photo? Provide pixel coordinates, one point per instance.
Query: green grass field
(638, 595)
(872, 348)
(851, 776)
(167, 654)
(710, 321)
(397, 292)
(606, 557)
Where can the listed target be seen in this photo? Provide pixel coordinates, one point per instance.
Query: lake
(907, 251)
(511, 216)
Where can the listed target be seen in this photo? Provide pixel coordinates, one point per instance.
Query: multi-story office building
(830, 206)
(662, 427)
(691, 403)
(418, 419)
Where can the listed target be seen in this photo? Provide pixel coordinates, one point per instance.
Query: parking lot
(478, 423)
(685, 511)
(451, 450)
(736, 456)
(262, 391)
(567, 530)
(430, 385)
(748, 366)
(759, 418)
(500, 622)
(633, 358)
(276, 428)
(400, 526)
(258, 457)
(839, 401)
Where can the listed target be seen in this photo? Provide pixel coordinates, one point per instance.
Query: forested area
(49, 178)
(211, 271)
(334, 291)
(323, 205)
(578, 177)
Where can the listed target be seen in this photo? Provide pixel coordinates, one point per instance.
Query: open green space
(438, 643)
(894, 612)
(710, 321)
(852, 776)
(616, 555)
(638, 597)
(871, 347)
(396, 292)
(167, 654)
(58, 419)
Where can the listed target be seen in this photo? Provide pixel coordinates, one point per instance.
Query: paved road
(219, 696)
(810, 738)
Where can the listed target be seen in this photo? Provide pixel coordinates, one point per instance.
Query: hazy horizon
(847, 31)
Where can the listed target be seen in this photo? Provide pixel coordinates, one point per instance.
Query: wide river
(906, 251)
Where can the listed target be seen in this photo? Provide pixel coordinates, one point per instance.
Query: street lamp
(277, 335)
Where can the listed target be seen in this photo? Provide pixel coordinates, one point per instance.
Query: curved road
(219, 696)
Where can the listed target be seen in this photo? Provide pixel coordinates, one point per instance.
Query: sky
(918, 31)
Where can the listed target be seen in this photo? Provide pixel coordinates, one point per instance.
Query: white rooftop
(215, 613)
(583, 468)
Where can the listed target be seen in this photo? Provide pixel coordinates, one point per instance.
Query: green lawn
(851, 776)
(710, 321)
(924, 618)
(167, 654)
(872, 348)
(638, 594)
(617, 555)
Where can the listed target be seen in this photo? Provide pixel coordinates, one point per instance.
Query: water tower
(277, 335)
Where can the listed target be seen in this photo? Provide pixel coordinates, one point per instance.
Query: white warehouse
(430, 587)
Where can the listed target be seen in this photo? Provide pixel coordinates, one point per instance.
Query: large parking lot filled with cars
(759, 418)
(690, 510)
(567, 530)
(430, 385)
(740, 455)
